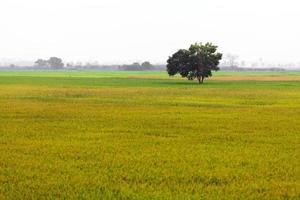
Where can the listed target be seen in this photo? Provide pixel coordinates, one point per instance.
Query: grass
(143, 135)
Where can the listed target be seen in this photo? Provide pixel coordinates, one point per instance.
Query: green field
(143, 135)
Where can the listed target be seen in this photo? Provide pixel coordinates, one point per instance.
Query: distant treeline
(55, 63)
(145, 66)
(251, 69)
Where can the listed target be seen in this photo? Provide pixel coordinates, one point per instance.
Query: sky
(125, 31)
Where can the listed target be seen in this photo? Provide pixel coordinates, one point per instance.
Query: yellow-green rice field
(144, 135)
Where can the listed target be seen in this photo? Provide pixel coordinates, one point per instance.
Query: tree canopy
(53, 62)
(196, 62)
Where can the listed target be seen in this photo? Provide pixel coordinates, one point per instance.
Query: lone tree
(55, 63)
(196, 62)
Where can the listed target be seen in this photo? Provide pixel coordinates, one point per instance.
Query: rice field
(144, 135)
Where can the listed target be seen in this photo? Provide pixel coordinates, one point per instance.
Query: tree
(231, 60)
(69, 65)
(55, 63)
(133, 67)
(147, 65)
(41, 63)
(196, 62)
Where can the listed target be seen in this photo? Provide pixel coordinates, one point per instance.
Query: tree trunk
(200, 79)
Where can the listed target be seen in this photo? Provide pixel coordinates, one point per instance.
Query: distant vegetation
(229, 63)
(57, 63)
(145, 66)
(52, 63)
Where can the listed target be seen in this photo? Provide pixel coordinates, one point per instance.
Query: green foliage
(197, 62)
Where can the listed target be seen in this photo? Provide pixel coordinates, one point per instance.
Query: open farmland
(143, 135)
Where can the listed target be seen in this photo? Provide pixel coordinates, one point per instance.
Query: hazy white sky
(116, 31)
